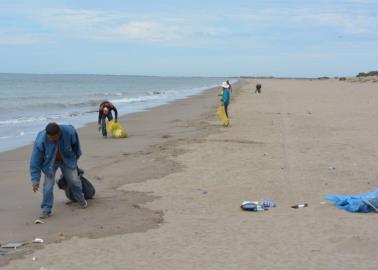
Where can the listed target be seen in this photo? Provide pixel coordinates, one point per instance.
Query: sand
(169, 196)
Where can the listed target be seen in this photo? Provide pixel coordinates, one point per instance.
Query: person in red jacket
(105, 111)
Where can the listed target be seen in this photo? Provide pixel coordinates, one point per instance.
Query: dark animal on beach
(258, 88)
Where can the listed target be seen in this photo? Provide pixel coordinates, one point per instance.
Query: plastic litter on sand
(38, 221)
(257, 206)
(302, 205)
(12, 245)
(38, 240)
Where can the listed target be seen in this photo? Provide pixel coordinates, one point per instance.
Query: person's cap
(52, 129)
(225, 85)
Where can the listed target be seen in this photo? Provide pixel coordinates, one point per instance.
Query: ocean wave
(23, 120)
(16, 134)
(63, 105)
(107, 94)
(46, 99)
(47, 105)
(136, 99)
(41, 118)
(118, 97)
(152, 93)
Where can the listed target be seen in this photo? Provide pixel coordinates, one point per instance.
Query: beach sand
(169, 196)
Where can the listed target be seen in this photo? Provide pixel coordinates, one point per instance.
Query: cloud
(17, 40)
(346, 23)
(175, 31)
(74, 20)
(342, 18)
(147, 31)
(192, 28)
(123, 27)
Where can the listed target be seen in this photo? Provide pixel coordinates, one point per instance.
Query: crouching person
(56, 147)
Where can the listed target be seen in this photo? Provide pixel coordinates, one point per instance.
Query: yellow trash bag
(222, 116)
(116, 129)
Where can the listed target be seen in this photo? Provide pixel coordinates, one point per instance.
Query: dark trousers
(225, 108)
(103, 123)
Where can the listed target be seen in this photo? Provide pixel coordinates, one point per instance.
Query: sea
(28, 102)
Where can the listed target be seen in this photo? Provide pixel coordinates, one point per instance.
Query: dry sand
(169, 195)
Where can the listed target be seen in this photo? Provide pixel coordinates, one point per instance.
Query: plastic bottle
(260, 208)
(300, 205)
(252, 206)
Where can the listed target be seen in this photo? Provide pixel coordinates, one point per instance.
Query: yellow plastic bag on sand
(116, 129)
(222, 116)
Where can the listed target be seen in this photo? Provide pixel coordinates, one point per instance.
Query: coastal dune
(169, 196)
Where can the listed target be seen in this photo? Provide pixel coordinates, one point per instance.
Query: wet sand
(176, 201)
(108, 163)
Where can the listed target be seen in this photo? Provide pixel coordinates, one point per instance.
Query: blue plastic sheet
(364, 202)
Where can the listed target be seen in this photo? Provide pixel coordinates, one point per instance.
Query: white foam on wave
(33, 119)
(136, 99)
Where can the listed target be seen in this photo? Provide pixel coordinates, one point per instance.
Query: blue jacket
(44, 152)
(226, 96)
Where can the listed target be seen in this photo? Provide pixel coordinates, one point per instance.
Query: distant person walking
(225, 97)
(105, 111)
(56, 147)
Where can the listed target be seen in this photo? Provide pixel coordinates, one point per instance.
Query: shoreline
(279, 146)
(145, 154)
(20, 131)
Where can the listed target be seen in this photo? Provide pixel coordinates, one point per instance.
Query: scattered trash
(38, 240)
(268, 204)
(13, 245)
(332, 168)
(302, 205)
(251, 206)
(257, 206)
(34, 258)
(364, 202)
(38, 221)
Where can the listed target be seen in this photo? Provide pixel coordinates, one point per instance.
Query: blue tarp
(364, 202)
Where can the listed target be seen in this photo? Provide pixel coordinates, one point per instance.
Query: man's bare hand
(35, 187)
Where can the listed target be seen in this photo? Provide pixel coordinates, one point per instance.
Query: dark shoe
(83, 204)
(45, 214)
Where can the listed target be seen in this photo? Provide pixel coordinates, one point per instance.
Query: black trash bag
(87, 187)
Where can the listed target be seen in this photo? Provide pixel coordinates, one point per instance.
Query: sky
(298, 38)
